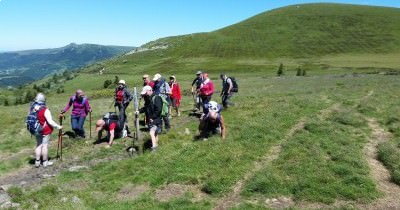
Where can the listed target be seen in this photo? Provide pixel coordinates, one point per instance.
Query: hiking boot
(47, 163)
(37, 163)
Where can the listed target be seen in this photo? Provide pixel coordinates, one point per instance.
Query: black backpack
(235, 87)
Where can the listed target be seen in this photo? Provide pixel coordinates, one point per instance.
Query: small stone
(6, 205)
(15, 205)
(4, 197)
(76, 168)
(64, 199)
(76, 200)
(187, 131)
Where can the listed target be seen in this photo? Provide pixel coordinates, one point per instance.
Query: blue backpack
(32, 122)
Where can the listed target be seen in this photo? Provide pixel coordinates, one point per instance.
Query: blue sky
(35, 24)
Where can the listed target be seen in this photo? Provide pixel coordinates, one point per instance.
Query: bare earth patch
(132, 192)
(172, 191)
(391, 198)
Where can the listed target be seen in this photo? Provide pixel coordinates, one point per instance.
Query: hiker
(162, 89)
(147, 81)
(212, 122)
(80, 109)
(175, 96)
(195, 89)
(227, 90)
(122, 99)
(153, 107)
(43, 139)
(114, 125)
(206, 90)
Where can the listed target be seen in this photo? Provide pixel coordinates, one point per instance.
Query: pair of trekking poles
(60, 135)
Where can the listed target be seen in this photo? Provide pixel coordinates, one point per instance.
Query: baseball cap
(198, 72)
(156, 77)
(121, 82)
(145, 89)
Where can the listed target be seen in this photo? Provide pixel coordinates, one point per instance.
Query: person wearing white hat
(152, 108)
(122, 98)
(161, 88)
(212, 122)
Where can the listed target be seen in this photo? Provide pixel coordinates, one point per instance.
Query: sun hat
(156, 77)
(145, 89)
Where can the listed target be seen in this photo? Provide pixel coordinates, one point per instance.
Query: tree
(29, 96)
(299, 72)
(107, 83)
(304, 73)
(280, 70)
(116, 80)
(6, 103)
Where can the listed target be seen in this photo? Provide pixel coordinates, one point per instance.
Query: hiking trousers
(226, 100)
(77, 123)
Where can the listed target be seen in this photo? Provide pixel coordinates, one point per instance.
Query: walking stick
(59, 146)
(90, 125)
(137, 131)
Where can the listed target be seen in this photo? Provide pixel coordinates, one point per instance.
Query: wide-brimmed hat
(121, 82)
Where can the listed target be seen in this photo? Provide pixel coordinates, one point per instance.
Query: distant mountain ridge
(19, 67)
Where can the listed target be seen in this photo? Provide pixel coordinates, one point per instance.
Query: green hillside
(298, 31)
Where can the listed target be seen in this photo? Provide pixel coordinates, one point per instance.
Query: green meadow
(293, 142)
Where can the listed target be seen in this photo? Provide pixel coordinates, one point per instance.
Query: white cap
(145, 89)
(121, 82)
(40, 97)
(213, 106)
(156, 77)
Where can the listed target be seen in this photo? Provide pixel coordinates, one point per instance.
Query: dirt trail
(234, 197)
(391, 198)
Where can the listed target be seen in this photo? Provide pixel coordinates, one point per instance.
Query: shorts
(40, 139)
(156, 129)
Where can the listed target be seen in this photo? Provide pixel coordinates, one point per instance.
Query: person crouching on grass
(212, 122)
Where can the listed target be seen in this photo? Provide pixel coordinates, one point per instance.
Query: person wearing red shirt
(147, 81)
(114, 126)
(176, 95)
(206, 90)
(43, 139)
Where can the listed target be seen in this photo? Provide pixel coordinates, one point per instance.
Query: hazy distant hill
(24, 66)
(307, 30)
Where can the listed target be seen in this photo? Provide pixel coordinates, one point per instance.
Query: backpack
(74, 98)
(110, 117)
(164, 109)
(235, 87)
(32, 122)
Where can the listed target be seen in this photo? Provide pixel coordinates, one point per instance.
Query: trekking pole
(90, 125)
(137, 130)
(59, 146)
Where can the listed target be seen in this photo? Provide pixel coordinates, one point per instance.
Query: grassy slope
(269, 106)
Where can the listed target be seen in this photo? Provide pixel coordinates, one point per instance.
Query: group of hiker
(160, 98)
